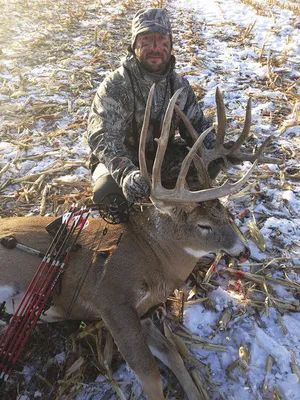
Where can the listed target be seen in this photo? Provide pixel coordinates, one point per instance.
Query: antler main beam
(183, 195)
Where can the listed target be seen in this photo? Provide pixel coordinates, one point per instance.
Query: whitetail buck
(158, 250)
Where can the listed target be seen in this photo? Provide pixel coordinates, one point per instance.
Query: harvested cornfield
(237, 325)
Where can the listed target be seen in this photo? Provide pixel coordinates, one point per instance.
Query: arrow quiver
(39, 290)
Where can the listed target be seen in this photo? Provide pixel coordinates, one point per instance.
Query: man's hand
(135, 187)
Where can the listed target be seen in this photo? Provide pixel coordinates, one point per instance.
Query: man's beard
(155, 68)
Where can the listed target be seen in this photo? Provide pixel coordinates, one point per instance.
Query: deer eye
(205, 228)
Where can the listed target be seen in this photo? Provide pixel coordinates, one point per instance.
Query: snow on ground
(246, 48)
(235, 66)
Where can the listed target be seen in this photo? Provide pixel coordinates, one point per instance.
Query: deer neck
(162, 232)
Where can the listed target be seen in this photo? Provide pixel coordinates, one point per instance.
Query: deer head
(201, 208)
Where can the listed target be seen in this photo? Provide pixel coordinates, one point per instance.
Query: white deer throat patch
(195, 253)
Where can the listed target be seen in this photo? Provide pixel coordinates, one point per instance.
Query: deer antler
(180, 194)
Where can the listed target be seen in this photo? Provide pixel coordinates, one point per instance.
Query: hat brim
(155, 28)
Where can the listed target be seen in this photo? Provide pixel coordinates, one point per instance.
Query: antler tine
(189, 158)
(187, 123)
(202, 172)
(222, 120)
(258, 154)
(246, 129)
(162, 142)
(143, 136)
(198, 160)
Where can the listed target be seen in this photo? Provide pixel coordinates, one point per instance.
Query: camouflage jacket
(116, 115)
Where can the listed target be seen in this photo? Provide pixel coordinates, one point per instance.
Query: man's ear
(130, 48)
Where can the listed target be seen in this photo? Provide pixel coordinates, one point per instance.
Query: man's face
(153, 50)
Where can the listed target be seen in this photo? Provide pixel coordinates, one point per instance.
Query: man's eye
(164, 43)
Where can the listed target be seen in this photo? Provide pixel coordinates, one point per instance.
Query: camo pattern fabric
(150, 20)
(117, 113)
(135, 187)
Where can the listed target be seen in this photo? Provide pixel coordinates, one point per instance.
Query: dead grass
(267, 7)
(78, 57)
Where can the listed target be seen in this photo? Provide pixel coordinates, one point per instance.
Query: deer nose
(244, 255)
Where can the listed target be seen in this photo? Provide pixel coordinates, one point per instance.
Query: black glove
(135, 187)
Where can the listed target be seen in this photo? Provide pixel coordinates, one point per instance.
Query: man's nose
(154, 44)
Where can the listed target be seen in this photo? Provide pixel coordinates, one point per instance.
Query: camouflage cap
(150, 20)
